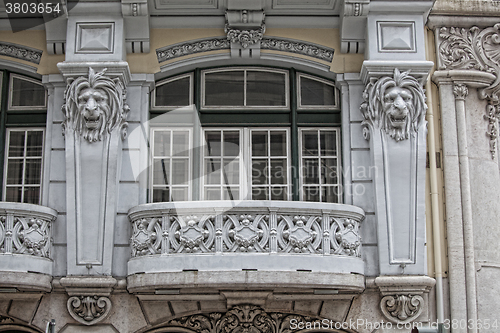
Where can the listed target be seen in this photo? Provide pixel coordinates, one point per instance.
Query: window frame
(11, 107)
(155, 107)
(6, 161)
(245, 69)
(301, 107)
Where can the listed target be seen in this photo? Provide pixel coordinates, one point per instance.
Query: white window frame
(7, 158)
(171, 79)
(245, 107)
(338, 157)
(316, 107)
(25, 78)
(189, 157)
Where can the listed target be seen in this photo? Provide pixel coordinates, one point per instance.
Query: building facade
(249, 166)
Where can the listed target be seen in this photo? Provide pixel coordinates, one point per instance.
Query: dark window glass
(224, 88)
(316, 93)
(27, 93)
(265, 89)
(173, 93)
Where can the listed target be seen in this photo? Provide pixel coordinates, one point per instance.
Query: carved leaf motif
(89, 310)
(402, 308)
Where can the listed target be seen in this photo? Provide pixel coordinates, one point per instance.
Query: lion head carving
(94, 106)
(394, 104)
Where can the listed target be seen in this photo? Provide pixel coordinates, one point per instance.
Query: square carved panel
(396, 37)
(94, 37)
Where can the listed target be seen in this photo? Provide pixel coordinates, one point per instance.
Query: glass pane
(13, 194)
(279, 193)
(32, 195)
(311, 193)
(174, 93)
(213, 143)
(259, 143)
(259, 172)
(212, 171)
(179, 193)
(161, 194)
(265, 89)
(27, 93)
(180, 171)
(231, 143)
(16, 143)
(15, 172)
(260, 193)
(310, 171)
(278, 171)
(34, 143)
(330, 194)
(278, 143)
(309, 143)
(231, 171)
(328, 143)
(212, 193)
(224, 88)
(33, 171)
(329, 171)
(231, 193)
(180, 143)
(314, 92)
(161, 171)
(161, 143)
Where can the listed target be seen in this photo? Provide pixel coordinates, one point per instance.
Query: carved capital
(95, 106)
(395, 105)
(460, 91)
(89, 310)
(402, 308)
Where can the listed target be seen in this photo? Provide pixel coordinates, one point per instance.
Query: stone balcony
(248, 243)
(25, 246)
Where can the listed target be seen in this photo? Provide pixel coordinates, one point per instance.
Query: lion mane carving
(394, 104)
(94, 106)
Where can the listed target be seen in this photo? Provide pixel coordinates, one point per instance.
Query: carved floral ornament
(395, 105)
(89, 310)
(475, 49)
(402, 308)
(95, 106)
(245, 38)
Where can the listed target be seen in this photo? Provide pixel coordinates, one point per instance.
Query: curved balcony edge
(26, 239)
(245, 280)
(26, 281)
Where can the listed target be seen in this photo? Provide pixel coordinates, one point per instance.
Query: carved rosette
(394, 105)
(245, 37)
(89, 310)
(95, 106)
(475, 49)
(402, 308)
(241, 319)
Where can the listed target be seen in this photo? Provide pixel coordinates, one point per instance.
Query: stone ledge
(25, 281)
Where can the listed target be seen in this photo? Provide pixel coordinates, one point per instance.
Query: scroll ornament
(395, 105)
(89, 310)
(95, 106)
(402, 308)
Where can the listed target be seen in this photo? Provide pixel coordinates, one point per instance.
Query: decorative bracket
(402, 296)
(136, 21)
(245, 29)
(353, 25)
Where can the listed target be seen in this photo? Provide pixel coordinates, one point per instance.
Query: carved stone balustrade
(26, 245)
(225, 236)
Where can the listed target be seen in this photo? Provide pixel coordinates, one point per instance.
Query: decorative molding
(95, 37)
(395, 105)
(20, 52)
(402, 308)
(396, 37)
(475, 49)
(245, 38)
(95, 106)
(299, 47)
(309, 233)
(89, 310)
(241, 318)
(222, 43)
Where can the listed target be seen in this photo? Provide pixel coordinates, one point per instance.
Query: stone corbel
(55, 33)
(403, 298)
(353, 25)
(245, 29)
(136, 21)
(88, 301)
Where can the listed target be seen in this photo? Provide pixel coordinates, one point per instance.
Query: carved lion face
(93, 107)
(397, 106)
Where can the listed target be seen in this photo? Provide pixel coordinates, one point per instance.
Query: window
(22, 123)
(266, 134)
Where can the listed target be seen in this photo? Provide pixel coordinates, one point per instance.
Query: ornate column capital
(460, 91)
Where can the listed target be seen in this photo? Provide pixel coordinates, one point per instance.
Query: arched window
(22, 123)
(263, 134)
